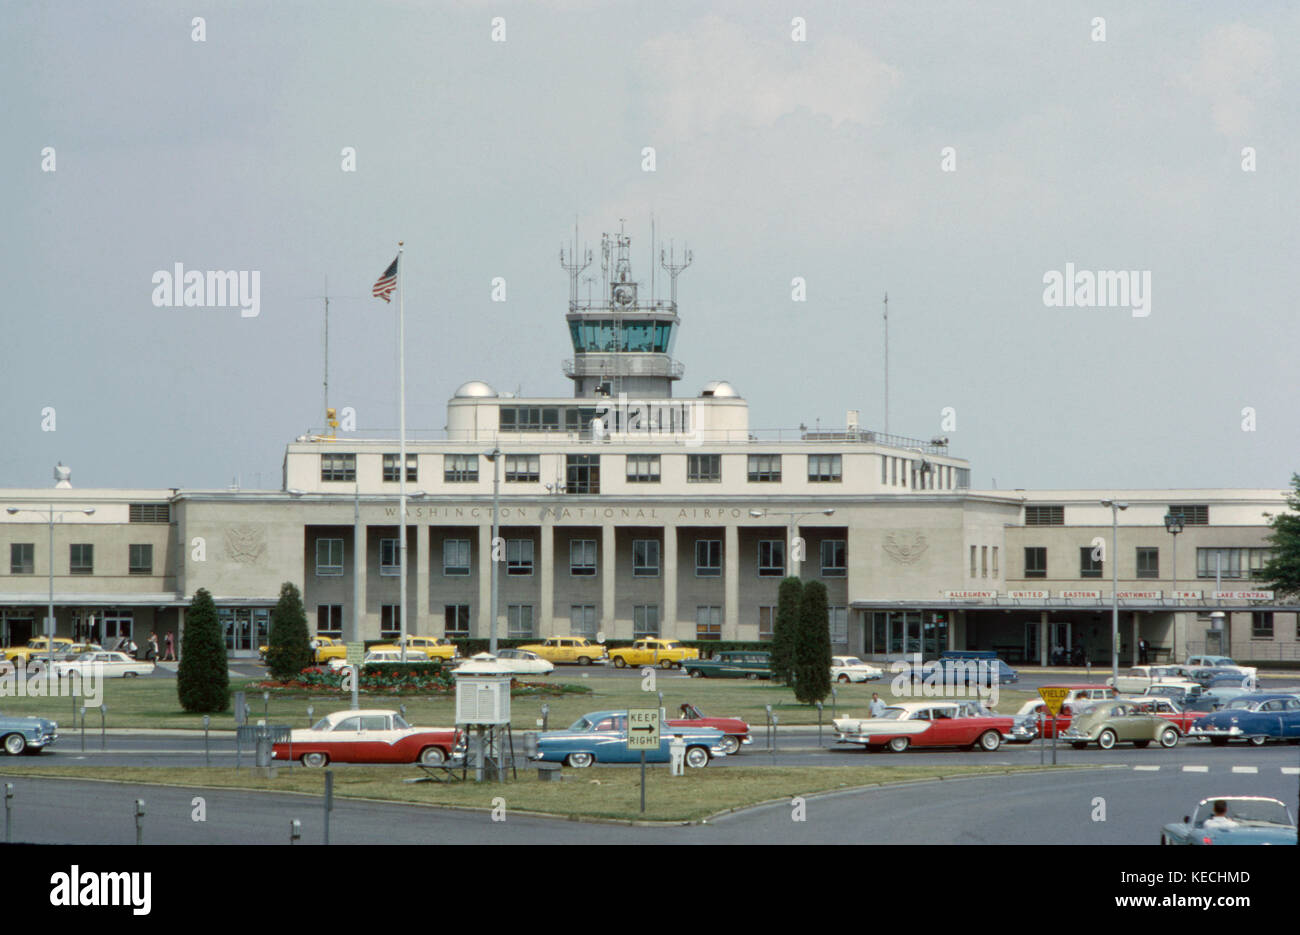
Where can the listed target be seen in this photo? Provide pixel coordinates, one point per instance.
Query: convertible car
(26, 734)
(1258, 718)
(930, 724)
(370, 737)
(1248, 820)
(601, 737)
(735, 730)
(1112, 722)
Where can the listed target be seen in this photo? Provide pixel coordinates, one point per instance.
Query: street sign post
(1054, 698)
(643, 735)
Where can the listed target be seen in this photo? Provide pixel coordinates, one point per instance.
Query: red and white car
(370, 736)
(928, 724)
(736, 730)
(1170, 711)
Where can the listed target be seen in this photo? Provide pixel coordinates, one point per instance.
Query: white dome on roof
(719, 388)
(475, 388)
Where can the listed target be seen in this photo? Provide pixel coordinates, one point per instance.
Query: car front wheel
(696, 674)
(1106, 739)
(579, 760)
(432, 756)
(730, 745)
(620, 662)
(1258, 741)
(1168, 738)
(584, 660)
(990, 740)
(665, 663)
(697, 757)
(15, 744)
(315, 760)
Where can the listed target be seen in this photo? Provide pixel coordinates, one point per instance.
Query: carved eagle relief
(906, 548)
(245, 544)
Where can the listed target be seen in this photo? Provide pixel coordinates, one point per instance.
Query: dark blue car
(1258, 718)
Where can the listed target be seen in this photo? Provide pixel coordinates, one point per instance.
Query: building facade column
(1043, 629)
(731, 584)
(546, 567)
(1134, 644)
(354, 622)
(607, 578)
(483, 628)
(421, 623)
(668, 613)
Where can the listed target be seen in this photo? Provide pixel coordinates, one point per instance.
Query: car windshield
(581, 724)
(1248, 810)
(322, 724)
(851, 661)
(399, 722)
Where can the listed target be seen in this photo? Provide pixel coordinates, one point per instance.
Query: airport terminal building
(625, 510)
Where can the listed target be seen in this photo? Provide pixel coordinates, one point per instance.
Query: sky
(953, 155)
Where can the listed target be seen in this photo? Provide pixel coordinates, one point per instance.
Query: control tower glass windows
(764, 469)
(582, 474)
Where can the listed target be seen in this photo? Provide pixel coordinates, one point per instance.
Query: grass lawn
(152, 703)
(592, 793)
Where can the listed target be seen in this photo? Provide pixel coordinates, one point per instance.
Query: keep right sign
(1054, 698)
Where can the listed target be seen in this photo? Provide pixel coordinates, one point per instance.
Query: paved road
(1121, 806)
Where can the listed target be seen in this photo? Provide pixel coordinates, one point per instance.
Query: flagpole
(401, 458)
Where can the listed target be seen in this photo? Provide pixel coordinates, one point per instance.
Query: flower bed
(413, 679)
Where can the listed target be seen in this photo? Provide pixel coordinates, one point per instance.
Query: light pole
(49, 620)
(1115, 507)
(790, 528)
(1174, 523)
(495, 457)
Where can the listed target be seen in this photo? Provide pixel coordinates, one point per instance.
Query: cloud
(1236, 71)
(712, 73)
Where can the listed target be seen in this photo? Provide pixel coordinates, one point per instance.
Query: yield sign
(1054, 698)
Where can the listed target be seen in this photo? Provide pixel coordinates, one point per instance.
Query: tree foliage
(812, 652)
(202, 678)
(1281, 572)
(288, 649)
(785, 629)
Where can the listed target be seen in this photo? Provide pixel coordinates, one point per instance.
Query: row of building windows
(1210, 562)
(520, 557)
(582, 472)
(583, 621)
(81, 558)
(1041, 514)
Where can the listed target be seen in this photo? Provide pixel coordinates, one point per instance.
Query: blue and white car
(26, 734)
(601, 737)
(1257, 718)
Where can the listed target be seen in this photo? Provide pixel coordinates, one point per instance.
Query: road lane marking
(1245, 769)
(1146, 769)
(1196, 769)
(1290, 770)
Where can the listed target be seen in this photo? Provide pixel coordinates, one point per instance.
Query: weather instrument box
(483, 699)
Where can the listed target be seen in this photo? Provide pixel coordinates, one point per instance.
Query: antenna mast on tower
(574, 266)
(674, 268)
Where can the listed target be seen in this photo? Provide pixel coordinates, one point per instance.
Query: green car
(731, 665)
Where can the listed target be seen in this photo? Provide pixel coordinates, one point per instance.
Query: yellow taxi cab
(573, 649)
(435, 647)
(38, 646)
(652, 652)
(325, 648)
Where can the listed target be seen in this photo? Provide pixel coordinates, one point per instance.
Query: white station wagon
(105, 665)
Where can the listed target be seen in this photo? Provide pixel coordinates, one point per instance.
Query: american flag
(386, 283)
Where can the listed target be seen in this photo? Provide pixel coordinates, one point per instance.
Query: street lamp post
(793, 520)
(495, 457)
(1174, 523)
(1115, 507)
(50, 512)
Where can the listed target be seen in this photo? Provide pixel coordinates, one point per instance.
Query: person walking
(153, 647)
(877, 706)
(170, 642)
